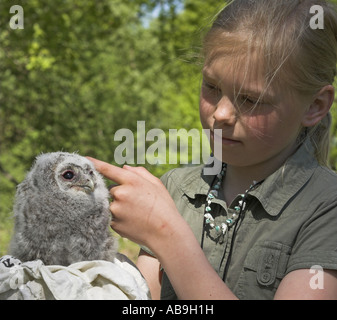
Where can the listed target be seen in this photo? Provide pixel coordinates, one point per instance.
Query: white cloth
(87, 280)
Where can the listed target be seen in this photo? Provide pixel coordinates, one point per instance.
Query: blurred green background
(82, 69)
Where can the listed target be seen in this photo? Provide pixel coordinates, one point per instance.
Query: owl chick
(62, 212)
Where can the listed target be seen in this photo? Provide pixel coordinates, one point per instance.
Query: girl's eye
(68, 175)
(250, 100)
(212, 87)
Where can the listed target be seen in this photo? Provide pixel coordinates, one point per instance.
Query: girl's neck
(239, 178)
(237, 181)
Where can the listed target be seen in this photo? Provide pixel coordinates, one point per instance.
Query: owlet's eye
(68, 175)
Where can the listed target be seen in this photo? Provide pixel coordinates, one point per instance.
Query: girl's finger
(142, 172)
(110, 171)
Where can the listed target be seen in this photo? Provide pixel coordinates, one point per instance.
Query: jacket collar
(276, 191)
(282, 185)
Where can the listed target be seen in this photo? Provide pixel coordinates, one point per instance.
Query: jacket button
(265, 277)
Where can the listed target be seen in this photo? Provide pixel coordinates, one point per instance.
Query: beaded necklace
(213, 193)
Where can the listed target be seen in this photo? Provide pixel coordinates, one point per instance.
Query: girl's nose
(225, 112)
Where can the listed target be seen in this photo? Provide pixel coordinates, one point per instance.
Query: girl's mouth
(224, 140)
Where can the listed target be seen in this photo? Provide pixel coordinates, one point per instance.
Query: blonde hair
(294, 54)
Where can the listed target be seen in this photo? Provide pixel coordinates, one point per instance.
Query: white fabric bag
(87, 280)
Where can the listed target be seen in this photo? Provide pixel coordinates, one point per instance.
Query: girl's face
(258, 127)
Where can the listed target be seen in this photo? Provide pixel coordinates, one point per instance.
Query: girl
(265, 227)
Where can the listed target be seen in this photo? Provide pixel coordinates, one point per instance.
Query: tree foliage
(82, 69)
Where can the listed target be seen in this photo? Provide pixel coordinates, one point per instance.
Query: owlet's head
(71, 175)
(66, 173)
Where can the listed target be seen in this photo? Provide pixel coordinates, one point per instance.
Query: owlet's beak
(86, 184)
(89, 187)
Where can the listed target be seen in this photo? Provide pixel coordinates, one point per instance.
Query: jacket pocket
(264, 268)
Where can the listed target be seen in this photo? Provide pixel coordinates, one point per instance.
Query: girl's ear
(319, 107)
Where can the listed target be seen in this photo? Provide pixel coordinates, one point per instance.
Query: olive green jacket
(290, 223)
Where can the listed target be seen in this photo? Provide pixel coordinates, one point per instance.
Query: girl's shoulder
(324, 180)
(188, 180)
(327, 173)
(181, 174)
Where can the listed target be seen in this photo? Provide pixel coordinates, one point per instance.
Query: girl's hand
(142, 209)
(145, 213)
